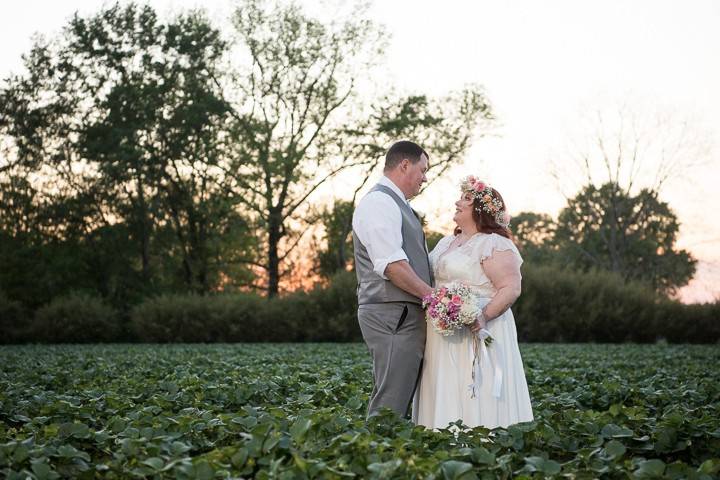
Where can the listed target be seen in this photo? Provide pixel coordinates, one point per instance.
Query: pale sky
(544, 65)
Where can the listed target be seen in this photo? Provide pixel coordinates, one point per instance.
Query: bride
(481, 255)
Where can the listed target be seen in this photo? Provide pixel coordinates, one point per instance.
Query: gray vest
(372, 288)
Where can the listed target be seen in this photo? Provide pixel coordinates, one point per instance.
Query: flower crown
(489, 203)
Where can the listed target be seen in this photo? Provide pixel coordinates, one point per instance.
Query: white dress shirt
(377, 222)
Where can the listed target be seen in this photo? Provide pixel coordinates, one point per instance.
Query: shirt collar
(391, 185)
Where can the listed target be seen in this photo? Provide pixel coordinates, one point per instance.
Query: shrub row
(73, 318)
(322, 315)
(559, 305)
(556, 306)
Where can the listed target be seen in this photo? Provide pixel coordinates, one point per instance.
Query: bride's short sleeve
(495, 243)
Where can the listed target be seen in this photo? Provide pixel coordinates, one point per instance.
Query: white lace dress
(444, 394)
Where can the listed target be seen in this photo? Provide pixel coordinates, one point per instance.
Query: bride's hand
(480, 323)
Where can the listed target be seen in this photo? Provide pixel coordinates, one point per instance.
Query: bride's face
(463, 209)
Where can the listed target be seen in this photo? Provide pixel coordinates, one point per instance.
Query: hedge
(556, 305)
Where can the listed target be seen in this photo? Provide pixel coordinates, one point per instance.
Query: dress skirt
(445, 392)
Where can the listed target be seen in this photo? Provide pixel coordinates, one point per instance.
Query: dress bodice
(463, 264)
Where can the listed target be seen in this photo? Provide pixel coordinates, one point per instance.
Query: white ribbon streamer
(479, 349)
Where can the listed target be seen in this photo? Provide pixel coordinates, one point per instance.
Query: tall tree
(123, 117)
(300, 73)
(633, 235)
(158, 135)
(626, 155)
(135, 132)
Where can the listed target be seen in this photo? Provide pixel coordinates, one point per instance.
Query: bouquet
(452, 307)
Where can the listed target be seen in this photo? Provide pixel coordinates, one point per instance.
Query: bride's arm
(503, 270)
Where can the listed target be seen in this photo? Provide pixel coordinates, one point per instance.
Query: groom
(393, 273)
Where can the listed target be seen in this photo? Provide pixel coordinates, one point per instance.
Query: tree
(121, 122)
(632, 146)
(161, 130)
(633, 235)
(300, 126)
(143, 146)
(337, 252)
(625, 156)
(298, 74)
(535, 236)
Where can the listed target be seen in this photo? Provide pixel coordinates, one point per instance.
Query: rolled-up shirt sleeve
(377, 222)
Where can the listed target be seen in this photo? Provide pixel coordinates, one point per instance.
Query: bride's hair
(486, 222)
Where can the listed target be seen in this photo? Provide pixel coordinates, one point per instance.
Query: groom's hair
(401, 150)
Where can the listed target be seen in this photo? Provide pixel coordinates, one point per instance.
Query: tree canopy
(141, 155)
(606, 228)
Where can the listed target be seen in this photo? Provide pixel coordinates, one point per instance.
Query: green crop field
(298, 411)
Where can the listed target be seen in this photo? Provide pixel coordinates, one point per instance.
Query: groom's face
(415, 175)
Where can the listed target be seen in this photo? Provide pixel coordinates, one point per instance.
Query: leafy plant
(298, 411)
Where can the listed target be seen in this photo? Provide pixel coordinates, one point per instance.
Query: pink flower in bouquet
(450, 308)
(479, 186)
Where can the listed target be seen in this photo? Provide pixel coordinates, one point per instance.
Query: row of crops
(298, 411)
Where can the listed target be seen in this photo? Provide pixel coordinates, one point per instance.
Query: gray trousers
(395, 335)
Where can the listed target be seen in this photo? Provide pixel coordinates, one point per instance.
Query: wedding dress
(445, 392)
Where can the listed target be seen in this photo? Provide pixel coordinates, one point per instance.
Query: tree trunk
(202, 260)
(616, 261)
(340, 265)
(144, 230)
(274, 235)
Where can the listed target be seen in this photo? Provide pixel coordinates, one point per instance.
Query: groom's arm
(403, 276)
(377, 221)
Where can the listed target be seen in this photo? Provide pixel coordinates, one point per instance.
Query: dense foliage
(556, 305)
(562, 305)
(75, 318)
(606, 228)
(298, 411)
(143, 154)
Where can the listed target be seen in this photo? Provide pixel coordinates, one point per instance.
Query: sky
(546, 67)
